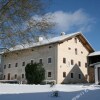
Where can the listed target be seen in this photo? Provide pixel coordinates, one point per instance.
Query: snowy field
(45, 92)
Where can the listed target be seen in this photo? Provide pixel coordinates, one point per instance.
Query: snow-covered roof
(94, 53)
(47, 41)
(94, 64)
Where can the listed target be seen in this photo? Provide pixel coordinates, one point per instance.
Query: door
(98, 74)
(8, 76)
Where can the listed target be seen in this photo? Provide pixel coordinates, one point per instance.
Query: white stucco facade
(68, 61)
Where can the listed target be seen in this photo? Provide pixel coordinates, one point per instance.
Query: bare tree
(22, 21)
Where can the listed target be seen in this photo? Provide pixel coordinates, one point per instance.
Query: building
(94, 67)
(64, 58)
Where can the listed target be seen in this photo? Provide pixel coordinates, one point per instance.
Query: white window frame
(47, 74)
(51, 60)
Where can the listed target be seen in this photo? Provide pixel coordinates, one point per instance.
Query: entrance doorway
(98, 74)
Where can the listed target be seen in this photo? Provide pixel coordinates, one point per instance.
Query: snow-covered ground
(45, 92)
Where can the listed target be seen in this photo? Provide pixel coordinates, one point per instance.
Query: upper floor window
(64, 74)
(69, 48)
(9, 66)
(40, 61)
(23, 63)
(49, 60)
(49, 74)
(64, 60)
(16, 65)
(4, 66)
(72, 62)
(76, 51)
(79, 63)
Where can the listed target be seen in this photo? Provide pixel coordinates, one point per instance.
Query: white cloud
(72, 21)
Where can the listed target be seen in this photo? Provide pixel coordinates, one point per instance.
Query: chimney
(40, 39)
(63, 33)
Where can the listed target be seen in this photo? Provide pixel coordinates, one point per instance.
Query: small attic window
(50, 46)
(75, 40)
(32, 49)
(69, 48)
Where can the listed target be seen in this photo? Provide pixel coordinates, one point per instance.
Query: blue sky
(78, 15)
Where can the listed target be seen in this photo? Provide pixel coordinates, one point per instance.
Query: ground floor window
(49, 74)
(4, 77)
(64, 74)
(79, 76)
(15, 76)
(72, 75)
(22, 75)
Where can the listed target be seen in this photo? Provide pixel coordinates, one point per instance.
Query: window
(49, 74)
(64, 74)
(4, 77)
(64, 60)
(79, 76)
(75, 40)
(8, 76)
(23, 64)
(69, 48)
(49, 60)
(4, 66)
(72, 62)
(40, 61)
(81, 52)
(32, 61)
(86, 76)
(50, 46)
(79, 63)
(72, 75)
(15, 76)
(76, 51)
(9, 66)
(86, 65)
(16, 65)
(22, 75)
